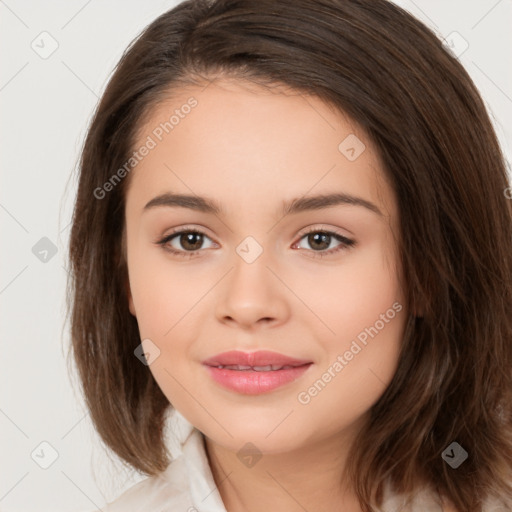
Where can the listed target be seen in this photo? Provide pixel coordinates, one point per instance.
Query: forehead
(236, 140)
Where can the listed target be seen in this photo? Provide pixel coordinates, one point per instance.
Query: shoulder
(167, 489)
(184, 485)
(155, 493)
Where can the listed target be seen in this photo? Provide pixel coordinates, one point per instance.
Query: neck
(308, 478)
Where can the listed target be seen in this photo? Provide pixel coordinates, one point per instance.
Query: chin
(269, 436)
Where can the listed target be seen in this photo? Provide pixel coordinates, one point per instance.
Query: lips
(254, 373)
(262, 360)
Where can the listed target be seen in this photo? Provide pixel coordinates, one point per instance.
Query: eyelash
(345, 243)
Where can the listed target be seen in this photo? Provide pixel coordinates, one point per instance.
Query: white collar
(186, 445)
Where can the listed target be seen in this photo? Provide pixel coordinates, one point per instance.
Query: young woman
(291, 261)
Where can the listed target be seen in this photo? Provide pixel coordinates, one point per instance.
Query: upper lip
(259, 358)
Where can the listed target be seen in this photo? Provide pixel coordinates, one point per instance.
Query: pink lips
(252, 373)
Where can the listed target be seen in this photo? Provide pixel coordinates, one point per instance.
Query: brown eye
(191, 241)
(320, 240)
(186, 242)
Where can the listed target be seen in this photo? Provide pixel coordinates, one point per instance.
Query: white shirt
(187, 485)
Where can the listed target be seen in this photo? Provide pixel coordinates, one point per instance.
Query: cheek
(366, 316)
(356, 373)
(352, 297)
(163, 292)
(369, 302)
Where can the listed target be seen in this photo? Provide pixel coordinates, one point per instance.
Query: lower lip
(249, 382)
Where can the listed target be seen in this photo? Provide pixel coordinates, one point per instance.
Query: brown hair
(392, 75)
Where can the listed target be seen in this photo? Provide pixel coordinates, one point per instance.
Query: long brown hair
(392, 75)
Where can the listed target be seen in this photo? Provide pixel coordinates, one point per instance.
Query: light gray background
(46, 104)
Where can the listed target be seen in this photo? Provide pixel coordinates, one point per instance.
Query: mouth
(254, 373)
(268, 368)
(259, 359)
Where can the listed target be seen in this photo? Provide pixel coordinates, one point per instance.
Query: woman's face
(268, 271)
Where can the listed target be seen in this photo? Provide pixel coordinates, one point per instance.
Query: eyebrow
(297, 205)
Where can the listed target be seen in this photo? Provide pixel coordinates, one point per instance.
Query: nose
(252, 295)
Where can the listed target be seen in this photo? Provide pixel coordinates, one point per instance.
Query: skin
(250, 149)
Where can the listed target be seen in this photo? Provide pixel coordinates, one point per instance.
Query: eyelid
(186, 228)
(323, 228)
